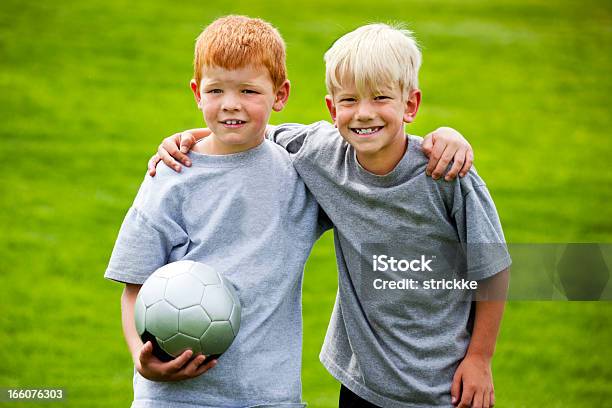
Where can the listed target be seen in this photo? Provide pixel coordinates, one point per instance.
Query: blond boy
(417, 347)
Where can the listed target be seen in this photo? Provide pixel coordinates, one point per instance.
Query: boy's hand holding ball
(181, 368)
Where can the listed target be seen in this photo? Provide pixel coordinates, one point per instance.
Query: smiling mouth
(366, 131)
(232, 123)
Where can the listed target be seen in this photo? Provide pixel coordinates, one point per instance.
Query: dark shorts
(348, 399)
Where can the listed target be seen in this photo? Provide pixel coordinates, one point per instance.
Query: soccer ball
(187, 305)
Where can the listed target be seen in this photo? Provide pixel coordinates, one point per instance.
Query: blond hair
(233, 42)
(373, 57)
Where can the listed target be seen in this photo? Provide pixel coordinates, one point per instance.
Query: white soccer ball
(187, 305)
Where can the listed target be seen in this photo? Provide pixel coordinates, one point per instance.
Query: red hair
(233, 42)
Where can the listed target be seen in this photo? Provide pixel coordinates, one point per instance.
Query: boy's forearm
(128, 299)
(488, 317)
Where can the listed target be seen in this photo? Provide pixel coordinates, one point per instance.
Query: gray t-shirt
(396, 348)
(249, 216)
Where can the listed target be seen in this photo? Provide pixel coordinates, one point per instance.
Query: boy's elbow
(133, 287)
(495, 287)
(130, 291)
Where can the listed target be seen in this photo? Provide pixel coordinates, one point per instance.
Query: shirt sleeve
(291, 136)
(150, 237)
(481, 233)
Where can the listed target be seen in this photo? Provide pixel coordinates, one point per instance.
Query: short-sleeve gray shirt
(250, 217)
(394, 348)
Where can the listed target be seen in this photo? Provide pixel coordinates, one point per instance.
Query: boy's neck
(211, 145)
(385, 160)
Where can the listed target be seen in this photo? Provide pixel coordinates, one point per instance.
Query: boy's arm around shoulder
(293, 136)
(173, 149)
(441, 146)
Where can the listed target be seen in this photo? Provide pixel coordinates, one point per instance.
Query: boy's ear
(331, 107)
(281, 96)
(196, 91)
(412, 105)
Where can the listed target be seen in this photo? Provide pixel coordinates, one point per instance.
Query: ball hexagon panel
(193, 321)
(173, 269)
(162, 320)
(153, 290)
(140, 311)
(178, 343)
(184, 290)
(217, 303)
(217, 338)
(205, 274)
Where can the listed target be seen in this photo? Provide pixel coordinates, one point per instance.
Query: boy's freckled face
(237, 104)
(369, 122)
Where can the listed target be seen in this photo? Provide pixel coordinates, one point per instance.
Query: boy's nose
(364, 113)
(231, 103)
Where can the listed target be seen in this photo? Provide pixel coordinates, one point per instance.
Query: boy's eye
(249, 91)
(347, 100)
(214, 91)
(381, 97)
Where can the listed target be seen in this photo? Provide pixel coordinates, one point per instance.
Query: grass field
(89, 88)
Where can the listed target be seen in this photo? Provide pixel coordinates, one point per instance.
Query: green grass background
(89, 88)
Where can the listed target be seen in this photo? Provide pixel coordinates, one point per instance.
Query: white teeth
(232, 122)
(366, 131)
